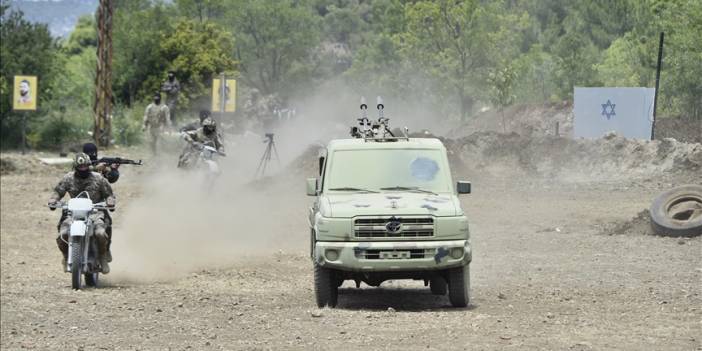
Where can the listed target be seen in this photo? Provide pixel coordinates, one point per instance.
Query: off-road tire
(438, 286)
(77, 264)
(665, 220)
(326, 290)
(459, 286)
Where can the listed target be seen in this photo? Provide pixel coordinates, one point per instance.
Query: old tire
(459, 286)
(77, 264)
(437, 285)
(326, 290)
(678, 212)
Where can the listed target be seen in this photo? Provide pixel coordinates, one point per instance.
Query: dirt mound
(537, 120)
(307, 164)
(610, 158)
(11, 163)
(682, 129)
(639, 225)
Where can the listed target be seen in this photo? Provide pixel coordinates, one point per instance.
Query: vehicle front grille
(398, 254)
(409, 227)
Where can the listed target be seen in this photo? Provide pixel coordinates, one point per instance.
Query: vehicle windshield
(388, 170)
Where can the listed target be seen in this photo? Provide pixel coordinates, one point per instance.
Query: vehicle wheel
(678, 212)
(459, 286)
(76, 264)
(437, 286)
(91, 279)
(325, 286)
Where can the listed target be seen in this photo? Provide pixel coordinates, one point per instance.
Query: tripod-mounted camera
(266, 158)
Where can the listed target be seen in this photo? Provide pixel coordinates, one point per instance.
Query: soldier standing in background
(171, 87)
(156, 118)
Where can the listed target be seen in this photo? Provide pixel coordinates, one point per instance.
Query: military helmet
(81, 159)
(209, 122)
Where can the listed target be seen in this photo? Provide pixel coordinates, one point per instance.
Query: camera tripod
(266, 158)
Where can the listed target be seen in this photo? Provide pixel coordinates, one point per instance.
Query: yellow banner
(229, 95)
(25, 93)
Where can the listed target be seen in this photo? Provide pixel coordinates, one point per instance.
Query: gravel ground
(546, 275)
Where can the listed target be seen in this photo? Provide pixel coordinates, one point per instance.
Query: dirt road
(545, 275)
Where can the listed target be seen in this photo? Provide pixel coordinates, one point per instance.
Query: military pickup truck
(386, 209)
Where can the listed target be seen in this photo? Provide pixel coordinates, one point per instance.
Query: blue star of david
(609, 113)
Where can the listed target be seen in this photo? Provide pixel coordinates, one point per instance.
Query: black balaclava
(157, 99)
(171, 76)
(91, 150)
(204, 114)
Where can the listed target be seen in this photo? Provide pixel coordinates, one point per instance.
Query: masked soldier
(196, 124)
(110, 172)
(156, 117)
(171, 87)
(207, 134)
(79, 180)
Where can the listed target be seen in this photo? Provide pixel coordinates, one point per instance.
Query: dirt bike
(204, 158)
(83, 255)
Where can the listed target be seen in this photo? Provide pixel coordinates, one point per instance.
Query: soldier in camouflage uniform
(79, 180)
(207, 134)
(156, 117)
(171, 87)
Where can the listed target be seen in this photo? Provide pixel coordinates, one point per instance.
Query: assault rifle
(117, 160)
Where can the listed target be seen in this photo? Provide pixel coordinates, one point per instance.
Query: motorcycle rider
(99, 189)
(207, 134)
(111, 173)
(196, 124)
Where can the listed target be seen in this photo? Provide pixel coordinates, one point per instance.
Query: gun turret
(375, 129)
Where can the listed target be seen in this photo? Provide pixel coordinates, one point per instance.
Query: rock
(159, 310)
(180, 304)
(391, 310)
(316, 314)
(501, 296)
(72, 301)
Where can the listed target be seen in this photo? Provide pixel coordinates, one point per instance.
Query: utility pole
(102, 108)
(658, 79)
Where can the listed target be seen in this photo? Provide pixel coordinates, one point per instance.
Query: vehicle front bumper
(389, 256)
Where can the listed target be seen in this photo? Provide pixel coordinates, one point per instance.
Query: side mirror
(463, 187)
(311, 186)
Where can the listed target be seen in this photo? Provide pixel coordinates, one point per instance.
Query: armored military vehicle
(386, 208)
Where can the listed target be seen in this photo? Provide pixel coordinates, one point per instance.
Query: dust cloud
(175, 225)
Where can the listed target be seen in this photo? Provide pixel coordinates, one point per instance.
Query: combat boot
(104, 265)
(63, 264)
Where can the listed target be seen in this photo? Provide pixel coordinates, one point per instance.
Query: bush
(126, 124)
(60, 129)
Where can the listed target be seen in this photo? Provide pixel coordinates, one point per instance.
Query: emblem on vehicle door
(393, 225)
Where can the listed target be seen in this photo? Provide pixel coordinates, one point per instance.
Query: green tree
(197, 52)
(276, 42)
(501, 89)
(454, 42)
(138, 28)
(25, 48)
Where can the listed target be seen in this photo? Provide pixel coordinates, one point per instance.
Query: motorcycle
(203, 157)
(83, 256)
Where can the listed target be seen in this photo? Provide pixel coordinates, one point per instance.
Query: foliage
(275, 40)
(25, 48)
(452, 56)
(197, 52)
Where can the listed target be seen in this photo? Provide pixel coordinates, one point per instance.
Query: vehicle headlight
(331, 254)
(457, 252)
